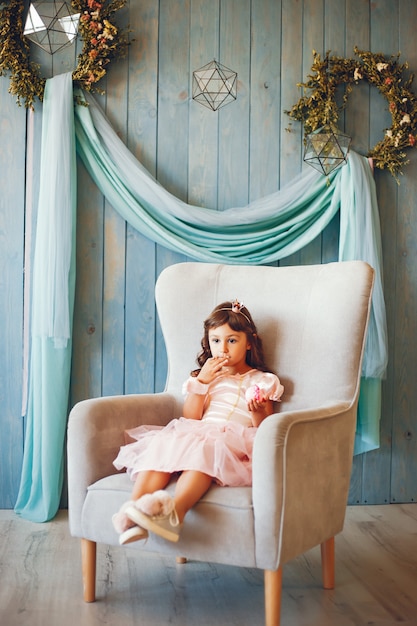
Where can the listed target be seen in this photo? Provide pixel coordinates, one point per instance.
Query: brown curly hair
(240, 321)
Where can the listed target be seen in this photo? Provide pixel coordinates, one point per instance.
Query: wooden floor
(376, 569)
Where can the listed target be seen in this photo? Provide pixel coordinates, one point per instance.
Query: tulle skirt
(221, 450)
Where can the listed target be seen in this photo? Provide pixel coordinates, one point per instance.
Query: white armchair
(312, 320)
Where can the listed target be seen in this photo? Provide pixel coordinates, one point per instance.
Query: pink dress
(220, 444)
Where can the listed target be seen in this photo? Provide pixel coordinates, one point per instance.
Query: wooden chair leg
(88, 562)
(273, 591)
(327, 563)
(181, 560)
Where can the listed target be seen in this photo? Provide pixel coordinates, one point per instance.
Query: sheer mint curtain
(262, 232)
(52, 306)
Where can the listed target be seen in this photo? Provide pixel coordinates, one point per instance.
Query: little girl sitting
(225, 401)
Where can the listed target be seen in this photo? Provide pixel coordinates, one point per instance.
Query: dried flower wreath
(102, 42)
(319, 106)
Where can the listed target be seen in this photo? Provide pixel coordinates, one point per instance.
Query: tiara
(237, 308)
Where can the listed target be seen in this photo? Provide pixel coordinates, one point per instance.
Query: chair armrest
(95, 433)
(302, 463)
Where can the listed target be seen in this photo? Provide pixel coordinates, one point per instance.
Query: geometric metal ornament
(214, 85)
(326, 149)
(51, 24)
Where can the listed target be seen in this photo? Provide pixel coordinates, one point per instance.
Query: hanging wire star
(214, 85)
(326, 149)
(51, 25)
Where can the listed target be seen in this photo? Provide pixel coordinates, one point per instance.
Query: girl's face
(226, 342)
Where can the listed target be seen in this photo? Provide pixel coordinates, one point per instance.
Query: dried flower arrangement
(319, 105)
(102, 42)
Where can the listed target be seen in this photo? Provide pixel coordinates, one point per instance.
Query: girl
(226, 399)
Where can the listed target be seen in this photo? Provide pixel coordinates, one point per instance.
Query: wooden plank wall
(216, 160)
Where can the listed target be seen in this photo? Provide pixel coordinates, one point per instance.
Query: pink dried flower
(95, 27)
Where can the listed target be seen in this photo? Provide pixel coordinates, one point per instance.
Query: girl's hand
(259, 405)
(212, 369)
(256, 401)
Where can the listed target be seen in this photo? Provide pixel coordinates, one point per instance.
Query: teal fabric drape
(262, 232)
(52, 308)
(360, 238)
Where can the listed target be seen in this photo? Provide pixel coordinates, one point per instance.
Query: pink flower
(388, 81)
(411, 140)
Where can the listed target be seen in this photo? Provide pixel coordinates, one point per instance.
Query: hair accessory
(237, 308)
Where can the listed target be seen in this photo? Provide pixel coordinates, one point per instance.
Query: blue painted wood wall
(217, 160)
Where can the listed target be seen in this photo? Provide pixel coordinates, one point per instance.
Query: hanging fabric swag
(264, 231)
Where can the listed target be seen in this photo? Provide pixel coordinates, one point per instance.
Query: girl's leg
(156, 513)
(190, 487)
(148, 482)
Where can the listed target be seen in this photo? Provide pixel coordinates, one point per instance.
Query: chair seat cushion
(219, 512)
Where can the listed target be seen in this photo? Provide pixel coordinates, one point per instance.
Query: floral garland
(102, 42)
(320, 106)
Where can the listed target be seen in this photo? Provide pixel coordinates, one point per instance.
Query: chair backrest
(310, 319)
